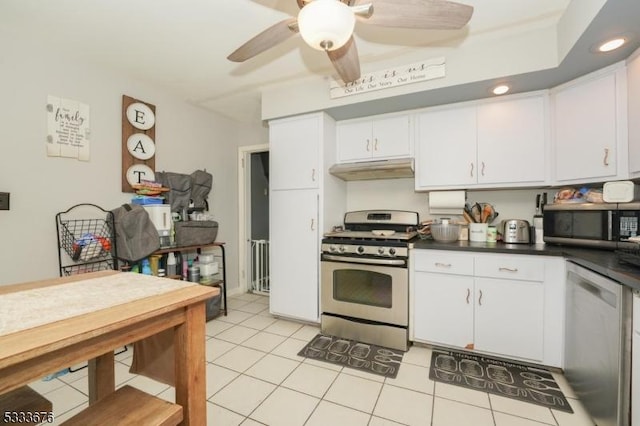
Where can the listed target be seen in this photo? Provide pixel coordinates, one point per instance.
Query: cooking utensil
(471, 368)
(499, 373)
(321, 342)
(510, 390)
(334, 357)
(476, 212)
(447, 376)
(383, 358)
(387, 352)
(538, 385)
(360, 350)
(533, 376)
(313, 352)
(381, 368)
(477, 382)
(358, 362)
(339, 346)
(446, 362)
(545, 398)
(468, 214)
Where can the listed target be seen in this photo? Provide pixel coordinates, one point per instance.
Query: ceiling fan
(328, 25)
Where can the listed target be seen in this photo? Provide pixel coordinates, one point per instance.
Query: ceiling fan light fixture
(326, 24)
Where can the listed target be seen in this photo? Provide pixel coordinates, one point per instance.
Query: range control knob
(381, 251)
(333, 249)
(342, 249)
(360, 250)
(392, 251)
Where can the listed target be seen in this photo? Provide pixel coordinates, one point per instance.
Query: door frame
(244, 211)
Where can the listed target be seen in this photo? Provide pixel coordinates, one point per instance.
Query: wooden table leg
(190, 366)
(102, 380)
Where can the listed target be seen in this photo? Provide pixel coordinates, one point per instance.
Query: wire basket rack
(86, 240)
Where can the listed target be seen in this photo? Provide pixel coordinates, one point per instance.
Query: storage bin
(213, 306)
(196, 232)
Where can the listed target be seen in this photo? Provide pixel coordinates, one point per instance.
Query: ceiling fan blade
(345, 61)
(424, 14)
(265, 40)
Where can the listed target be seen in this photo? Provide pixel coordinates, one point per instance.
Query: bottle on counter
(146, 267)
(171, 264)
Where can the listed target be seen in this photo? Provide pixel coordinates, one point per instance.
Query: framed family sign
(138, 142)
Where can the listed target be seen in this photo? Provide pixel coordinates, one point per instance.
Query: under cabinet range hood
(369, 170)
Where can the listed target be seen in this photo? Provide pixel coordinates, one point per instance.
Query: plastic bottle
(185, 268)
(146, 268)
(171, 264)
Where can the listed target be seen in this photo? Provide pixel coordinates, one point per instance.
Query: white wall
(187, 139)
(399, 194)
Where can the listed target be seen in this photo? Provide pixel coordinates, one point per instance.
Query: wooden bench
(24, 400)
(128, 406)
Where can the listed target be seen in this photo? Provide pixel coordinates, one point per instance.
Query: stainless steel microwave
(607, 225)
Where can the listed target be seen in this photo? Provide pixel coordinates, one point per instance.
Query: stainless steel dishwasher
(598, 344)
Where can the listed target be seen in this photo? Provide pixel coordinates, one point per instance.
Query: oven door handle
(368, 261)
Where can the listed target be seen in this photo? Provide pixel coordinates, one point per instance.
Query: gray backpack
(136, 235)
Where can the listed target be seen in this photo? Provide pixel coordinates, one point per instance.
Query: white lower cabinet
(294, 274)
(635, 363)
(506, 305)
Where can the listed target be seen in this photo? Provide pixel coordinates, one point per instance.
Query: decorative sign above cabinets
(428, 69)
(138, 142)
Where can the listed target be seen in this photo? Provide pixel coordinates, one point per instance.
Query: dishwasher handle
(592, 287)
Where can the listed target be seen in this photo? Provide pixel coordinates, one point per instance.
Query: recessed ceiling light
(612, 44)
(500, 89)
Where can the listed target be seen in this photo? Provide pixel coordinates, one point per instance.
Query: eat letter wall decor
(138, 142)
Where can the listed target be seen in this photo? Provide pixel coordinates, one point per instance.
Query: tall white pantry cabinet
(305, 202)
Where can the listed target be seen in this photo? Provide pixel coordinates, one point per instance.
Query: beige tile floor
(254, 377)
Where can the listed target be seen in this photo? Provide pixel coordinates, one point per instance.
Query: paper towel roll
(447, 202)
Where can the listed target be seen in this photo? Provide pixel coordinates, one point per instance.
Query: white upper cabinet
(512, 141)
(296, 162)
(446, 148)
(633, 96)
(375, 138)
(590, 128)
(499, 143)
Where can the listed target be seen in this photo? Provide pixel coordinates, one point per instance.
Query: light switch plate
(4, 201)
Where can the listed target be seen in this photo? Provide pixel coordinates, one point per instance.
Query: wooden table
(37, 338)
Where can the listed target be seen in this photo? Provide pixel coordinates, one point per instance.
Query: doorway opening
(254, 211)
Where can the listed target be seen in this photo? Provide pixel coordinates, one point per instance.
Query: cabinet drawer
(443, 262)
(526, 268)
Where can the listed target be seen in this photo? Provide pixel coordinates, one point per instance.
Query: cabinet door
(294, 153)
(391, 137)
(633, 102)
(585, 130)
(511, 141)
(443, 309)
(509, 318)
(354, 141)
(446, 148)
(294, 254)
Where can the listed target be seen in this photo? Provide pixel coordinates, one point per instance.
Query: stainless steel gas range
(365, 277)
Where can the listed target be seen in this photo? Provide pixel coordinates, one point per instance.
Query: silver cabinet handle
(504, 269)
(368, 145)
(442, 265)
(606, 157)
(471, 170)
(480, 298)
(313, 175)
(482, 172)
(313, 224)
(375, 144)
(468, 295)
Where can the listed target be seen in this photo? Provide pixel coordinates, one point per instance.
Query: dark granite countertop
(604, 262)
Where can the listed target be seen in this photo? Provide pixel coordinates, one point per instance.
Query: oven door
(378, 293)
